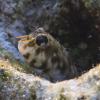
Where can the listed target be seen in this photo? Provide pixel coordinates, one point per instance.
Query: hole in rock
(77, 27)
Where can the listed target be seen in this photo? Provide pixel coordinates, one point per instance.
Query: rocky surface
(19, 85)
(75, 23)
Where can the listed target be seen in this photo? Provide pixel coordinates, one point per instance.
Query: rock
(18, 85)
(16, 28)
(8, 6)
(70, 21)
(7, 45)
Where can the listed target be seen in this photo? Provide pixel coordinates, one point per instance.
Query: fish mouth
(25, 38)
(22, 37)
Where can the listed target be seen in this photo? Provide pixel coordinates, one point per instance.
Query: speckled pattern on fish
(46, 55)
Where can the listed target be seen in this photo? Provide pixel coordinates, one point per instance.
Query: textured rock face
(62, 19)
(25, 15)
(74, 23)
(18, 85)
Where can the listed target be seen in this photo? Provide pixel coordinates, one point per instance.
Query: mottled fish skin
(44, 53)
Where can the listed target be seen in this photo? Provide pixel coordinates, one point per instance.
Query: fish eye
(41, 40)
